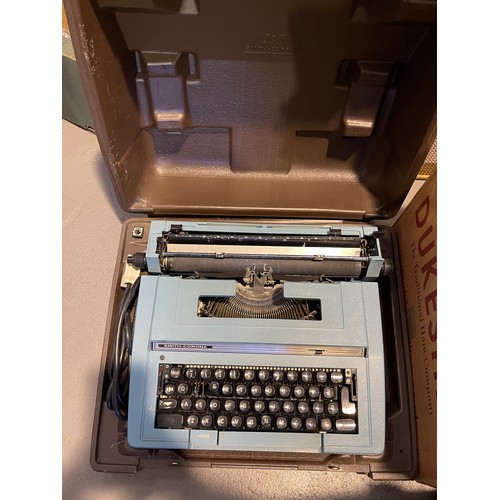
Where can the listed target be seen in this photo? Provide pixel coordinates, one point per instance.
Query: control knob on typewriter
(281, 422)
(186, 404)
(266, 422)
(200, 404)
(348, 408)
(244, 406)
(206, 421)
(222, 421)
(227, 389)
(192, 421)
(214, 405)
(241, 390)
(236, 422)
(230, 405)
(175, 372)
(310, 424)
(251, 422)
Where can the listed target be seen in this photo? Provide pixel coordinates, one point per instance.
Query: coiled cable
(118, 365)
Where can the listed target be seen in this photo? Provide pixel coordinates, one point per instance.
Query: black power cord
(118, 366)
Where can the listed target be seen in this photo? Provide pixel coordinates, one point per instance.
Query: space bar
(269, 441)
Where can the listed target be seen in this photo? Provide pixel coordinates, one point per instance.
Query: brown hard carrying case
(286, 110)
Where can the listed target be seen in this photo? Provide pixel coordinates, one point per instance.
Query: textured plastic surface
(111, 453)
(288, 108)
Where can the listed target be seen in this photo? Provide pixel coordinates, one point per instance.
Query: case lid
(293, 108)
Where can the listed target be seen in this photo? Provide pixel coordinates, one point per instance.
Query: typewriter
(255, 337)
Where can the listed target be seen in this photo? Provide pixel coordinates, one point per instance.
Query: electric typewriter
(263, 337)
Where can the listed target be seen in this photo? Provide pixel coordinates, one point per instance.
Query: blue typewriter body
(295, 364)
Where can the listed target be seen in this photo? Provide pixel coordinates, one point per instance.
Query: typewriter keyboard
(257, 398)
